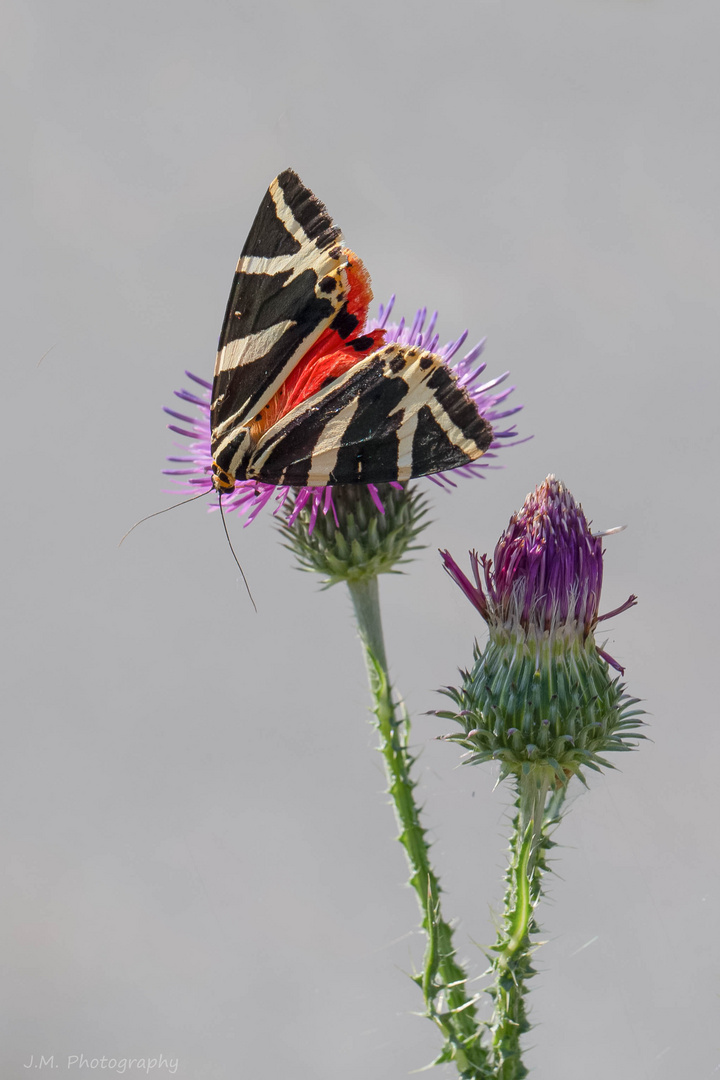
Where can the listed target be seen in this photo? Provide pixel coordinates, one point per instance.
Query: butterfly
(301, 395)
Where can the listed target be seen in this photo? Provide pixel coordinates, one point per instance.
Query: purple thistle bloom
(194, 469)
(546, 573)
(539, 698)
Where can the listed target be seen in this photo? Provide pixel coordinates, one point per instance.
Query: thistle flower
(541, 694)
(250, 497)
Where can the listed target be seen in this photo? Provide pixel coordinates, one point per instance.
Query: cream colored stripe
(246, 349)
(325, 455)
(308, 255)
(259, 264)
(287, 217)
(406, 434)
(453, 432)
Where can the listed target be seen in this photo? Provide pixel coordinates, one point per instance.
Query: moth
(301, 395)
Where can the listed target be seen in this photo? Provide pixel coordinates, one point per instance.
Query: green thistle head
(541, 696)
(371, 530)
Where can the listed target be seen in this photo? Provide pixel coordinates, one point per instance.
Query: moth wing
(398, 413)
(289, 285)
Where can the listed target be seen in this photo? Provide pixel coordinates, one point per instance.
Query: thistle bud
(366, 530)
(541, 696)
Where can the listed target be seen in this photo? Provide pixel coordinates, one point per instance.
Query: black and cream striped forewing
(399, 413)
(289, 285)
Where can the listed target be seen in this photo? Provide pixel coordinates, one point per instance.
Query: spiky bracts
(371, 531)
(551, 705)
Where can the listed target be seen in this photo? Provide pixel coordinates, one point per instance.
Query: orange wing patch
(331, 355)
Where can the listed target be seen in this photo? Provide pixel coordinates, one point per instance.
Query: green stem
(533, 788)
(512, 965)
(442, 976)
(365, 597)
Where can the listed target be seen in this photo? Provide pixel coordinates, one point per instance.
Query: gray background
(198, 857)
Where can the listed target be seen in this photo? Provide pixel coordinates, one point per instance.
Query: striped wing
(289, 286)
(398, 413)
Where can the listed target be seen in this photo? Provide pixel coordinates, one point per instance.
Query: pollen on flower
(329, 357)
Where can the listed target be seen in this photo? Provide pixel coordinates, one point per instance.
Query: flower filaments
(540, 695)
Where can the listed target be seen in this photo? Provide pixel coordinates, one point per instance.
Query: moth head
(222, 481)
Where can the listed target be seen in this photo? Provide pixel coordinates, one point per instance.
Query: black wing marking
(289, 284)
(398, 413)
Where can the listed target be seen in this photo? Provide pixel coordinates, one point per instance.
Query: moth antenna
(227, 534)
(45, 354)
(173, 507)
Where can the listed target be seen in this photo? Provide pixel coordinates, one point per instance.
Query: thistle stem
(512, 966)
(365, 597)
(533, 790)
(443, 979)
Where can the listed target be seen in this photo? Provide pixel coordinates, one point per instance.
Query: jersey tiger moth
(301, 396)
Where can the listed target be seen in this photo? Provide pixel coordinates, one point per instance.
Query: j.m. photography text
(119, 1065)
